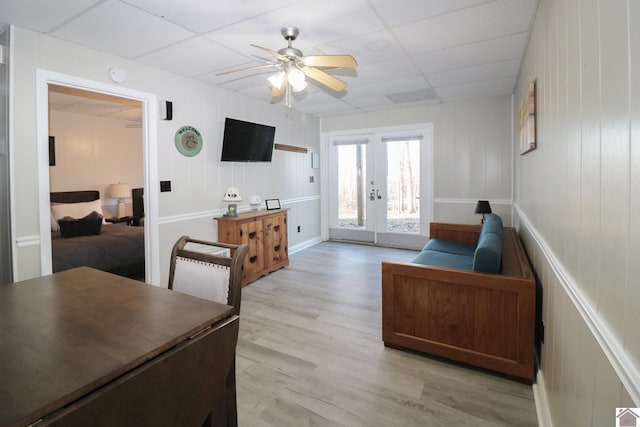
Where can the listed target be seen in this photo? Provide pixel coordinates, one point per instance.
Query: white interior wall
(197, 182)
(94, 152)
(578, 207)
(472, 152)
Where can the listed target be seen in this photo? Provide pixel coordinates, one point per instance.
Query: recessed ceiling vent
(414, 96)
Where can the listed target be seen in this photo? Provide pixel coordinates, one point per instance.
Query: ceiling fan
(295, 66)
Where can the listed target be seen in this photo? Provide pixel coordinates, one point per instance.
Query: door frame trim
(374, 134)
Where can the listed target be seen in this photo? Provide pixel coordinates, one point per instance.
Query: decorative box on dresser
(265, 232)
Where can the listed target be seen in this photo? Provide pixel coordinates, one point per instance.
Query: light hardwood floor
(310, 353)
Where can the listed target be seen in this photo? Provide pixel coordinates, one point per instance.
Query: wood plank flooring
(310, 353)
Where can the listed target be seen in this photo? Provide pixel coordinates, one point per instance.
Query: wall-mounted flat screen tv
(247, 142)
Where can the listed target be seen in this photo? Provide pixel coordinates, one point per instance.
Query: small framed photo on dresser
(272, 204)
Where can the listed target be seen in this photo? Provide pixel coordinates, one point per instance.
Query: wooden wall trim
(292, 148)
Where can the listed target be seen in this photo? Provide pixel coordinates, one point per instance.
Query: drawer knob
(276, 248)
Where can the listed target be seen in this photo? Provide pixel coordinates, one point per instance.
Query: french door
(382, 187)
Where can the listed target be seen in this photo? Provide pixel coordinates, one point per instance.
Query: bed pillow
(74, 210)
(88, 226)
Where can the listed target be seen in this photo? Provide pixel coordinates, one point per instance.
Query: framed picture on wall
(528, 119)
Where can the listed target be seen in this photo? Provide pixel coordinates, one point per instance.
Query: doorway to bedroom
(147, 163)
(96, 144)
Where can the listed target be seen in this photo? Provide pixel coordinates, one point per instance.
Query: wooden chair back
(199, 268)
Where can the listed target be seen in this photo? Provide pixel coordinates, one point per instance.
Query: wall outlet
(311, 179)
(165, 186)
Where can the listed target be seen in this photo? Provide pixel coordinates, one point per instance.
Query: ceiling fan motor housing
(289, 33)
(290, 52)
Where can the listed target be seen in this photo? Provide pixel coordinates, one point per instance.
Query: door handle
(372, 196)
(378, 194)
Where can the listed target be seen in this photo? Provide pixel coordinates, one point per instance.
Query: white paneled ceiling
(408, 50)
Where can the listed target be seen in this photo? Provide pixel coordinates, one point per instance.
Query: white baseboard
(541, 400)
(304, 245)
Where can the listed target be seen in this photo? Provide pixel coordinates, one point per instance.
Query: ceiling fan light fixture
(296, 79)
(276, 80)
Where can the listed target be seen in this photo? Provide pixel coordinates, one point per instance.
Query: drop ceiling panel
(121, 30)
(41, 15)
(204, 16)
(326, 109)
(495, 50)
(403, 11)
(482, 22)
(387, 87)
(475, 73)
(371, 48)
(193, 57)
(502, 86)
(380, 73)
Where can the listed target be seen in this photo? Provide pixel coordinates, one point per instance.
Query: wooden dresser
(265, 232)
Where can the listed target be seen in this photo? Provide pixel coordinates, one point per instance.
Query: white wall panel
(577, 204)
(615, 162)
(632, 314)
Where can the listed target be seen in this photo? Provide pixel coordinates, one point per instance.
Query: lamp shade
(232, 195)
(119, 191)
(483, 207)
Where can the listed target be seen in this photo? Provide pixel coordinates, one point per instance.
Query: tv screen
(246, 141)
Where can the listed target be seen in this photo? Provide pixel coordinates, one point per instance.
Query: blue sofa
(468, 296)
(485, 256)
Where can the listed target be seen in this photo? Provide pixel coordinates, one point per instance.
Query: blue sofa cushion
(444, 259)
(488, 254)
(451, 247)
(492, 224)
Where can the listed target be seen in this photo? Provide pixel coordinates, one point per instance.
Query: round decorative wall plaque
(188, 141)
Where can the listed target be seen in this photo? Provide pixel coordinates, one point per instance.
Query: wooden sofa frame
(484, 320)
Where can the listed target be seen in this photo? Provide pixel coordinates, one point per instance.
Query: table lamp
(120, 191)
(232, 195)
(483, 207)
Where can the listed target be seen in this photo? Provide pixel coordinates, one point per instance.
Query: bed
(118, 249)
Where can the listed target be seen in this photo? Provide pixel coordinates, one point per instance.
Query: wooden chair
(211, 270)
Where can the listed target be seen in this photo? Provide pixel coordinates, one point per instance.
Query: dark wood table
(85, 347)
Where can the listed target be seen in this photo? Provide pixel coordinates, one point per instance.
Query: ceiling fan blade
(253, 67)
(271, 52)
(328, 80)
(341, 61)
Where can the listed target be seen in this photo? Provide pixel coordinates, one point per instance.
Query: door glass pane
(351, 188)
(403, 186)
